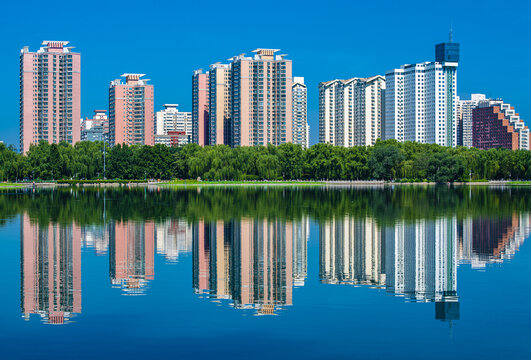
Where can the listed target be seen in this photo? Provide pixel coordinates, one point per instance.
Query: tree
(384, 160)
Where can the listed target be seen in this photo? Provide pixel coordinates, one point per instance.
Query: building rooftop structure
(131, 79)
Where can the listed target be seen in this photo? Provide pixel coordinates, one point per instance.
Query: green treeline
(386, 204)
(384, 161)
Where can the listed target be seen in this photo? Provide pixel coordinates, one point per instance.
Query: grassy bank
(12, 185)
(237, 183)
(519, 183)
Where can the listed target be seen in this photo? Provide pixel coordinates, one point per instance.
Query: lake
(266, 272)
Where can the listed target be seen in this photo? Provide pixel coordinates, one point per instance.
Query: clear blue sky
(326, 40)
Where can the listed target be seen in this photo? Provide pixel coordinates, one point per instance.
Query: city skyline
(338, 59)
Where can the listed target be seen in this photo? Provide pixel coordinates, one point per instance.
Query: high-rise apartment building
(131, 111)
(261, 99)
(464, 118)
(301, 129)
(420, 99)
(245, 103)
(50, 94)
(171, 122)
(219, 104)
(496, 124)
(200, 114)
(97, 128)
(351, 111)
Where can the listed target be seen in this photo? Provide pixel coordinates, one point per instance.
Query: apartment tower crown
(133, 79)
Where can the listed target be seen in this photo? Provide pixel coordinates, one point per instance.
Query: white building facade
(421, 100)
(421, 104)
(301, 129)
(351, 111)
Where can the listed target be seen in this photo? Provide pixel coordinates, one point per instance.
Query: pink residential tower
(131, 111)
(50, 94)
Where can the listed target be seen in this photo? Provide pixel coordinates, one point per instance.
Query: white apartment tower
(301, 129)
(421, 100)
(351, 111)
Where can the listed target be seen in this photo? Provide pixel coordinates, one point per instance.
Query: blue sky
(326, 40)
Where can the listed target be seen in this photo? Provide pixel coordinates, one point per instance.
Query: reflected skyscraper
(173, 237)
(255, 263)
(417, 260)
(131, 255)
(422, 263)
(51, 270)
(263, 256)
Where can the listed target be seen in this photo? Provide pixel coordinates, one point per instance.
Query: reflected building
(255, 263)
(50, 270)
(416, 260)
(422, 263)
(131, 255)
(351, 252)
(96, 237)
(212, 258)
(485, 240)
(301, 233)
(173, 237)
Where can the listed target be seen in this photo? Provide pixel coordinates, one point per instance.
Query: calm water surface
(266, 273)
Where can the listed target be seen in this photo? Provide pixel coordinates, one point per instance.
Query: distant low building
(97, 128)
(173, 127)
(172, 138)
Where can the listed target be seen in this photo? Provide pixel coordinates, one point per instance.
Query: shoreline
(325, 183)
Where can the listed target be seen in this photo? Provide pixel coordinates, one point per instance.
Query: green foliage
(387, 160)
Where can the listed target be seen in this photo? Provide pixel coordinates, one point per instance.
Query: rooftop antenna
(451, 35)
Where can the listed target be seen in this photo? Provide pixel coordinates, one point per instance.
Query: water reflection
(490, 239)
(417, 260)
(95, 237)
(251, 260)
(173, 238)
(131, 255)
(51, 270)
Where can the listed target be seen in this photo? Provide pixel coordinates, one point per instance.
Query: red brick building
(491, 128)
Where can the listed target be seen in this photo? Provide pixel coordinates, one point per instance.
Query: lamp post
(104, 146)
